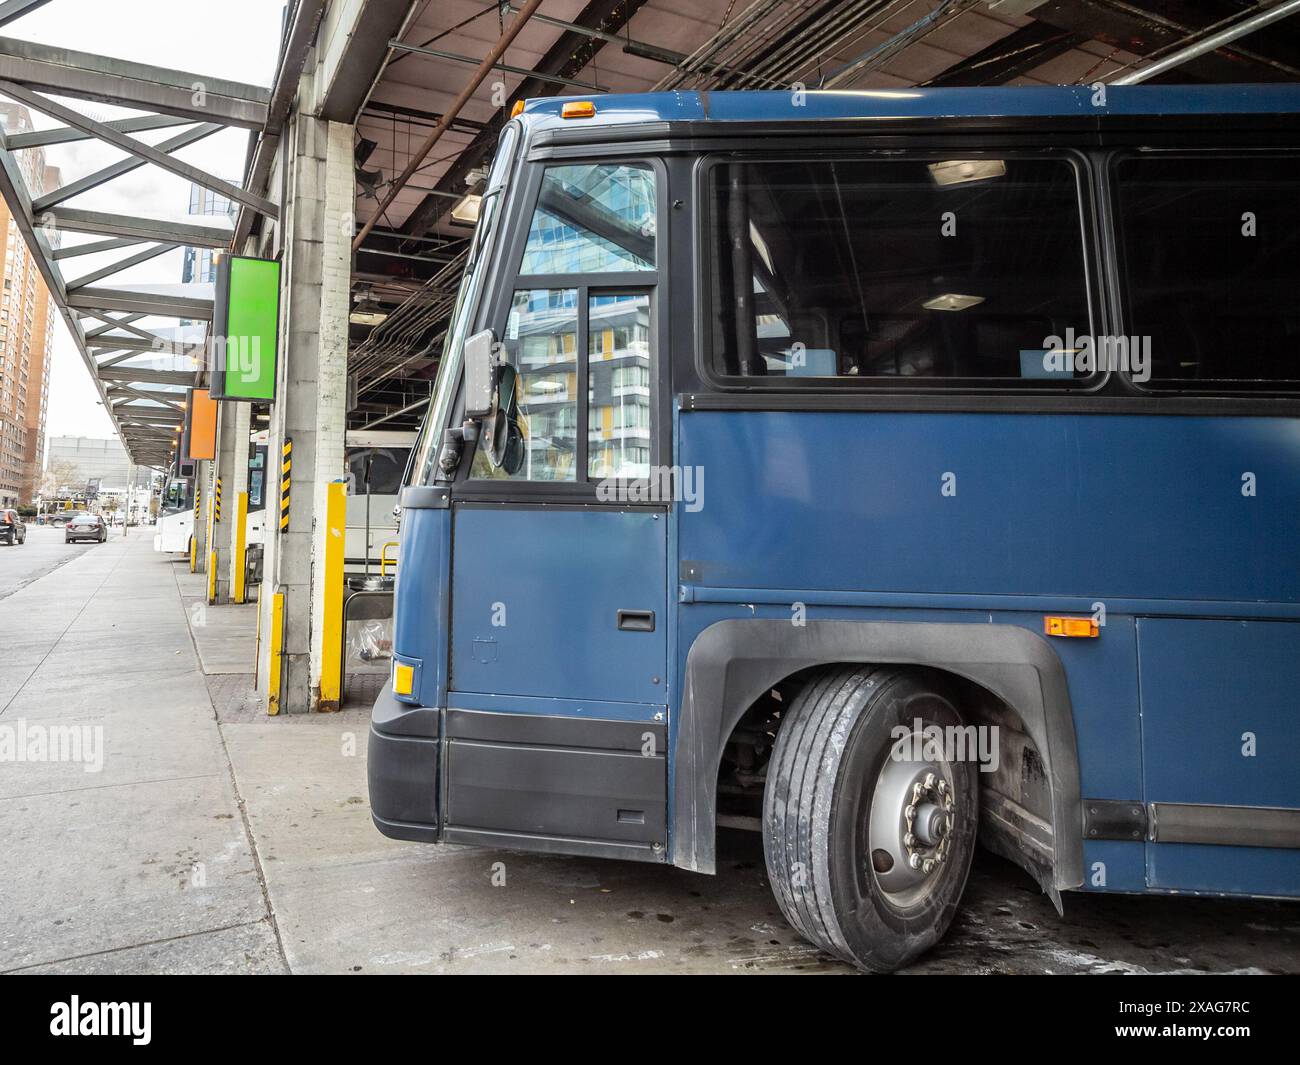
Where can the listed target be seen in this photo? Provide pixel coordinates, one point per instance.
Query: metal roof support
(122, 166)
(1212, 43)
(120, 265)
(165, 305)
(42, 138)
(456, 57)
(15, 9)
(84, 76)
(569, 55)
(138, 230)
(484, 68)
(146, 152)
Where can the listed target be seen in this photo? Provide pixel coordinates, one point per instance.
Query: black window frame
(1117, 271)
(923, 150)
(505, 280)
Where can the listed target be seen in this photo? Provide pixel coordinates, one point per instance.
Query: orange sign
(203, 425)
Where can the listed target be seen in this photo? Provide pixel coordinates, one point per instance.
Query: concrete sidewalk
(214, 838)
(143, 863)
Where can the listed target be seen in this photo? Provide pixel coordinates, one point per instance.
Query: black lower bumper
(402, 767)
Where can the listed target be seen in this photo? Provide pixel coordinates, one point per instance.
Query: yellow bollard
(241, 535)
(277, 654)
(331, 657)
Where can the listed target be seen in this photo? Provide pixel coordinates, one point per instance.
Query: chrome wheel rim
(909, 829)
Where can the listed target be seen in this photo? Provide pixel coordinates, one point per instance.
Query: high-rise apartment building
(26, 334)
(199, 264)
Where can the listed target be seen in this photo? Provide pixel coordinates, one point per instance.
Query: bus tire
(843, 773)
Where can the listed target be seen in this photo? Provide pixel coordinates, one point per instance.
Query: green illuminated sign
(242, 345)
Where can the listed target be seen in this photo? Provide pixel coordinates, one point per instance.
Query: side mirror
(480, 378)
(480, 399)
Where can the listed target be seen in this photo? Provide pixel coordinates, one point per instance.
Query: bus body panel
(174, 529)
(857, 525)
(536, 596)
(982, 504)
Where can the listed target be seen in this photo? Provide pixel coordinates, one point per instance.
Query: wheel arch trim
(731, 663)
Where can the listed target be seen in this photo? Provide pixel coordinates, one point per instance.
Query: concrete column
(232, 467)
(316, 230)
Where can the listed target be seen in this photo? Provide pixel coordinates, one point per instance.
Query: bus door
(557, 710)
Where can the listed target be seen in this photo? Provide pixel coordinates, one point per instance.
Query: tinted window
(382, 466)
(594, 218)
(886, 269)
(1211, 266)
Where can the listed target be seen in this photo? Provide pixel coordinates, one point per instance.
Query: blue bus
(879, 471)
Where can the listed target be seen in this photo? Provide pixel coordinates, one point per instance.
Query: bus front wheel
(869, 818)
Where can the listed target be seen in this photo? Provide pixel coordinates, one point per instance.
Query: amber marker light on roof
(578, 109)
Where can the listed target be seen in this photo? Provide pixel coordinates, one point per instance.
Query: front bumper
(402, 767)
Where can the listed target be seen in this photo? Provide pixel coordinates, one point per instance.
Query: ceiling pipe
(449, 116)
(1210, 44)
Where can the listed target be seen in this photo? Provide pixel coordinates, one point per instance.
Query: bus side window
(1211, 268)
(880, 269)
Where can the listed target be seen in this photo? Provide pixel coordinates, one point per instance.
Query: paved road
(44, 551)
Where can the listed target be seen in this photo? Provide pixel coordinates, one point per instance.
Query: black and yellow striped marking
(216, 502)
(286, 469)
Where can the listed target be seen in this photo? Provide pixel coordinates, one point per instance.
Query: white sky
(234, 39)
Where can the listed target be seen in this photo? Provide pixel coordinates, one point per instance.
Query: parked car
(12, 529)
(83, 526)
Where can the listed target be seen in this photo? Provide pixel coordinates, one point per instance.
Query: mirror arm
(453, 442)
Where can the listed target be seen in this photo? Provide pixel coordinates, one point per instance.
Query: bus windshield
(177, 496)
(466, 300)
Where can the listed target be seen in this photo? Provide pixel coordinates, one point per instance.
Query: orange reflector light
(403, 679)
(1071, 627)
(578, 109)
(518, 109)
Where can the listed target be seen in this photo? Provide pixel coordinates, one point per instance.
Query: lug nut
(915, 861)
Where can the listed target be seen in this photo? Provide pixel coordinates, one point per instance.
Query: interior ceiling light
(959, 171)
(367, 317)
(951, 301)
(466, 209)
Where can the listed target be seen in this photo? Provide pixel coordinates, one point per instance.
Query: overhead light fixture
(959, 171)
(951, 301)
(367, 317)
(466, 209)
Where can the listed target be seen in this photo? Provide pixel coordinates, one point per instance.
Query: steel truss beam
(146, 152)
(16, 9)
(83, 76)
(176, 98)
(122, 166)
(137, 230)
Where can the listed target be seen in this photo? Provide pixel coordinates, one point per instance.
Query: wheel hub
(912, 814)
